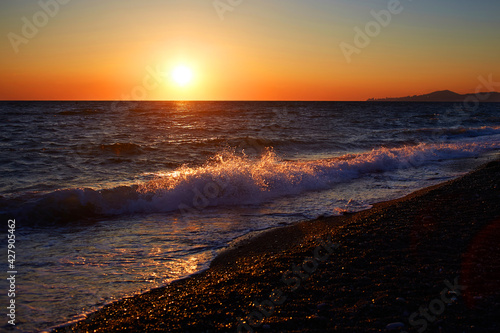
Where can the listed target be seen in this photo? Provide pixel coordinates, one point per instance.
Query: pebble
(322, 306)
(395, 326)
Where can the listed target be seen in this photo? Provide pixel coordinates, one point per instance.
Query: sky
(245, 49)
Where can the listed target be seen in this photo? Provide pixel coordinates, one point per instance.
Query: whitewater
(109, 203)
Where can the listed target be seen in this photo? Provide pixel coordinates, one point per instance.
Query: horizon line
(371, 99)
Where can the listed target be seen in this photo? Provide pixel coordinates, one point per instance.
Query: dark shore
(428, 260)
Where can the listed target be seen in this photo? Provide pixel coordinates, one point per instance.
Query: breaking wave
(229, 179)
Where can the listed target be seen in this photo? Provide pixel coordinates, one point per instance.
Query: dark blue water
(109, 202)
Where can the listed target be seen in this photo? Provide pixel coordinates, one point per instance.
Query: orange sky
(258, 50)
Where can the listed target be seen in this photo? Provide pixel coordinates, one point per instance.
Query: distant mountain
(444, 96)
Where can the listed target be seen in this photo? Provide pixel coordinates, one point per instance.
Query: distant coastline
(443, 96)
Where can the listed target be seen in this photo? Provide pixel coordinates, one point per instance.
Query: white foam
(234, 180)
(231, 179)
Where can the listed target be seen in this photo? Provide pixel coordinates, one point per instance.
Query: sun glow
(182, 75)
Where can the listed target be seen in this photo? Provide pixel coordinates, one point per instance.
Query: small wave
(457, 132)
(80, 112)
(121, 148)
(253, 143)
(230, 179)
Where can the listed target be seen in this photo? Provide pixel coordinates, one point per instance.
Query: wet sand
(428, 262)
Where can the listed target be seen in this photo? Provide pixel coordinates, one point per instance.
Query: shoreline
(399, 233)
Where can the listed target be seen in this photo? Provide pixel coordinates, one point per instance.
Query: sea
(111, 199)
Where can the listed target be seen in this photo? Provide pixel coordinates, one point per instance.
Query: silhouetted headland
(444, 96)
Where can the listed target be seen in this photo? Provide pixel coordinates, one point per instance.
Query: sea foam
(233, 179)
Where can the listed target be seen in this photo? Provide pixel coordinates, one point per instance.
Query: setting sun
(182, 75)
(142, 144)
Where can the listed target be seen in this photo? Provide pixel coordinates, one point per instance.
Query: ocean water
(113, 199)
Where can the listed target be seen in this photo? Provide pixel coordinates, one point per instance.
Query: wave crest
(231, 179)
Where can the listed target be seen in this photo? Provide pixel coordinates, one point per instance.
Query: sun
(182, 75)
